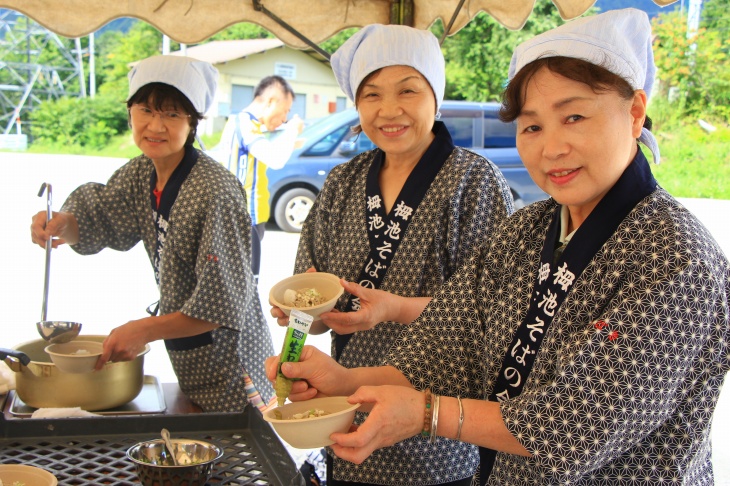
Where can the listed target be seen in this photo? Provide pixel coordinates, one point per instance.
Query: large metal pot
(41, 384)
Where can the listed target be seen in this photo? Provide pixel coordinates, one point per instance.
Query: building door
(299, 107)
(241, 97)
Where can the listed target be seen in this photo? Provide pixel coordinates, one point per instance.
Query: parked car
(329, 141)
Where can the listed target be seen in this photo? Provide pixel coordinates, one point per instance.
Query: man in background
(246, 151)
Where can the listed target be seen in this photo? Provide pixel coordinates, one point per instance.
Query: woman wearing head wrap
(400, 218)
(190, 213)
(598, 363)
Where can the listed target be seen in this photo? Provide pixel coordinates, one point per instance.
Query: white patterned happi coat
(205, 271)
(466, 200)
(625, 383)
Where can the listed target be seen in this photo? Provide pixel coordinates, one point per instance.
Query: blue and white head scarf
(377, 46)
(617, 40)
(197, 80)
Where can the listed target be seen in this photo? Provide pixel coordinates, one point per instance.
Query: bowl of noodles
(309, 424)
(25, 475)
(313, 293)
(75, 356)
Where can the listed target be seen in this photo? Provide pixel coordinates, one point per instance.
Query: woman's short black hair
(161, 96)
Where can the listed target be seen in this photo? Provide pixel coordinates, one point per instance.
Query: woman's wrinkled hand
(124, 343)
(62, 228)
(375, 307)
(281, 318)
(319, 375)
(397, 413)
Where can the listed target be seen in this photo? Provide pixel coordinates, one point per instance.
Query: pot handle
(19, 355)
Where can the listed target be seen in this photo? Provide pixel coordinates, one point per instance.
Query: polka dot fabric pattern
(468, 197)
(205, 271)
(624, 386)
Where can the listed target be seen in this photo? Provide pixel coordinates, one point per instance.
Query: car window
(363, 142)
(498, 134)
(354, 144)
(461, 125)
(328, 143)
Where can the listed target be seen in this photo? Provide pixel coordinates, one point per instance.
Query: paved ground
(108, 289)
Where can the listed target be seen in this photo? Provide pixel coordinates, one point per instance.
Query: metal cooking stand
(92, 451)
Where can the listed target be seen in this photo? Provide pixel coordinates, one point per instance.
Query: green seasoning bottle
(296, 334)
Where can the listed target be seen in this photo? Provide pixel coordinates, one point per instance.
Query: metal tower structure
(26, 79)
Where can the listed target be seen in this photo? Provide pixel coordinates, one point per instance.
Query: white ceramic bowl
(325, 283)
(29, 475)
(75, 356)
(312, 433)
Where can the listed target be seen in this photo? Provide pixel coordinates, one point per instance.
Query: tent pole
(401, 12)
(451, 22)
(259, 7)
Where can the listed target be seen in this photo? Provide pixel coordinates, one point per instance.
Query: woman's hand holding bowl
(397, 414)
(375, 306)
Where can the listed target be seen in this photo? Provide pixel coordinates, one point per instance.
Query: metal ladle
(53, 331)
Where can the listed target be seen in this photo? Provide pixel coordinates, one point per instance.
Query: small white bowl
(312, 433)
(75, 356)
(30, 475)
(326, 284)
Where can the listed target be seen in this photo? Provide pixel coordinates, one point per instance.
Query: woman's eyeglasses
(142, 114)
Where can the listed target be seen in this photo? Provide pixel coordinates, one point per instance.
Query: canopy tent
(298, 23)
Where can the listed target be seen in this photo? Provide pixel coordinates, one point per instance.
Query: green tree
(117, 51)
(478, 56)
(716, 16)
(334, 42)
(243, 30)
(83, 122)
(695, 67)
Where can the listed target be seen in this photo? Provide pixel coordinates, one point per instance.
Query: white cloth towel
(7, 378)
(62, 413)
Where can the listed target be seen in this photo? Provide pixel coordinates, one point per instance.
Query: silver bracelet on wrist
(461, 419)
(434, 419)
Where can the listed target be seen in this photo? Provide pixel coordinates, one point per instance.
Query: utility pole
(693, 17)
(79, 57)
(92, 66)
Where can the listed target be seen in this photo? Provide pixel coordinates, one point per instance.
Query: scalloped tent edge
(298, 24)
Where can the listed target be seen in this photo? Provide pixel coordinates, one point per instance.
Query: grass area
(695, 163)
(119, 146)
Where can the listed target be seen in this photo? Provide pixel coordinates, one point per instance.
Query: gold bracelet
(461, 419)
(434, 419)
(427, 416)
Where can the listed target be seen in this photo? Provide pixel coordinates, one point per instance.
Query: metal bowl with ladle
(52, 331)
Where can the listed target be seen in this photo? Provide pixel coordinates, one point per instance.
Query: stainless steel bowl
(155, 467)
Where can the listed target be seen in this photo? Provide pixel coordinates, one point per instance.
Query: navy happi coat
(205, 270)
(467, 198)
(624, 384)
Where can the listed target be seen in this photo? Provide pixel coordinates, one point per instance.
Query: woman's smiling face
(397, 110)
(576, 142)
(162, 140)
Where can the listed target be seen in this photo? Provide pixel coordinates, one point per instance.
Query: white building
(243, 63)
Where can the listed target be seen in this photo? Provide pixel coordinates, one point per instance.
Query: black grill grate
(92, 451)
(94, 461)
